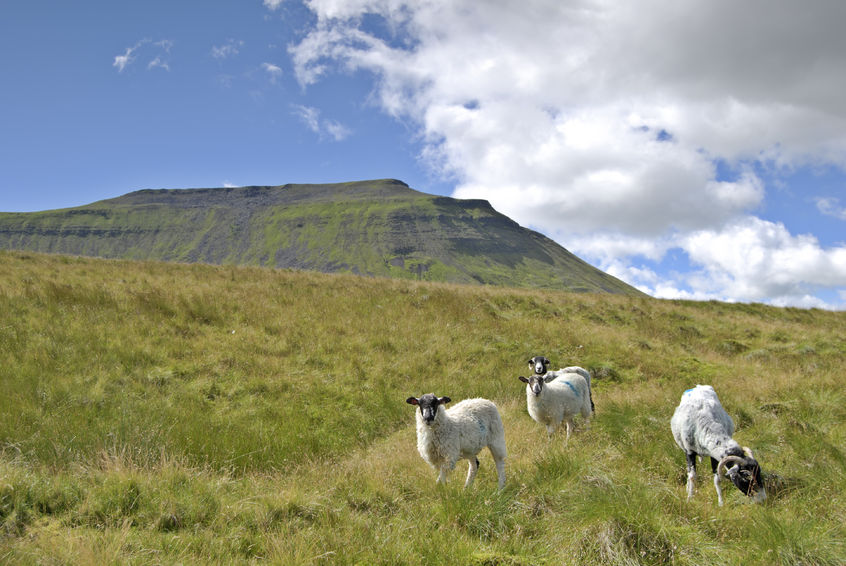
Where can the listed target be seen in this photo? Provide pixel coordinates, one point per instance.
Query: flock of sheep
(700, 426)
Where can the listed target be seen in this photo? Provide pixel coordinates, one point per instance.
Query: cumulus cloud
(621, 129)
(321, 126)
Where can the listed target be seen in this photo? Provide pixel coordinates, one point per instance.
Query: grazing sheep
(445, 436)
(551, 400)
(702, 427)
(539, 365)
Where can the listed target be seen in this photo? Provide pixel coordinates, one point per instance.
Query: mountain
(379, 228)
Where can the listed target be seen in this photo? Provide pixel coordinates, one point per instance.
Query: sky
(694, 149)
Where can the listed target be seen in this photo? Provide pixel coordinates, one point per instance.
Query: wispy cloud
(229, 49)
(322, 127)
(273, 4)
(830, 206)
(273, 71)
(158, 62)
(122, 61)
(160, 52)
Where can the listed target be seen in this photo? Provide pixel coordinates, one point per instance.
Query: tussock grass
(159, 413)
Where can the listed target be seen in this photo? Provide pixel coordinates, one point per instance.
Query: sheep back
(700, 424)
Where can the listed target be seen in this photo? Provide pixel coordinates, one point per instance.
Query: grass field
(159, 413)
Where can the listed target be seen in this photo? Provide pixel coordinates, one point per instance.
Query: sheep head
(428, 405)
(536, 383)
(538, 364)
(745, 473)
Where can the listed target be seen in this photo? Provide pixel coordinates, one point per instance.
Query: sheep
(445, 436)
(702, 427)
(539, 365)
(551, 400)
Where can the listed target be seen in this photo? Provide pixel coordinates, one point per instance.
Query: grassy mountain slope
(159, 413)
(381, 228)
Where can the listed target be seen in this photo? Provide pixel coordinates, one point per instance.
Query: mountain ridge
(378, 228)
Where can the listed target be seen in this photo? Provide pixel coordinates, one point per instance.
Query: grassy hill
(382, 228)
(157, 413)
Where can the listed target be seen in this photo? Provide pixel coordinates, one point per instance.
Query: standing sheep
(446, 436)
(551, 400)
(539, 365)
(702, 427)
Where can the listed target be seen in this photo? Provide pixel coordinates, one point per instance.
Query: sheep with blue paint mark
(445, 436)
(701, 427)
(552, 400)
(540, 364)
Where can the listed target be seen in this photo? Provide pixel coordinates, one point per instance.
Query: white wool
(461, 432)
(561, 399)
(701, 425)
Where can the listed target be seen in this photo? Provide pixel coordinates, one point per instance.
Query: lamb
(702, 427)
(539, 365)
(445, 436)
(551, 400)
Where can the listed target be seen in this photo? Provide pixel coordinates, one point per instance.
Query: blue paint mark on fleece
(570, 385)
(688, 391)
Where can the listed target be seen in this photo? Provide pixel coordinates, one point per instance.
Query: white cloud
(273, 71)
(159, 60)
(273, 4)
(229, 49)
(831, 206)
(322, 127)
(619, 128)
(121, 61)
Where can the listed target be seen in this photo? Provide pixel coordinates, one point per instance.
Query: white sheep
(702, 427)
(539, 365)
(552, 400)
(445, 436)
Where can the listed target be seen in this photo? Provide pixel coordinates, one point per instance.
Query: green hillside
(161, 413)
(379, 228)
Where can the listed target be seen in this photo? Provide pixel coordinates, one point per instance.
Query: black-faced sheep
(702, 427)
(540, 366)
(445, 436)
(553, 400)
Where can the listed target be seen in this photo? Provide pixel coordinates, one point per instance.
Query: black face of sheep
(744, 473)
(535, 383)
(538, 364)
(428, 404)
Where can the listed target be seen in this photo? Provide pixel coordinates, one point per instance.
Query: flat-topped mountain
(379, 228)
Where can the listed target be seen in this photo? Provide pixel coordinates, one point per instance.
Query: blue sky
(695, 152)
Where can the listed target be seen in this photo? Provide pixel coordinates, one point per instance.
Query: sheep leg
(471, 471)
(500, 473)
(570, 426)
(444, 473)
(714, 464)
(691, 473)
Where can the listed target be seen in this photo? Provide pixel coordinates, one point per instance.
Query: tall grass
(162, 413)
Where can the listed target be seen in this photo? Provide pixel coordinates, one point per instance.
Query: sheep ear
(531, 361)
(412, 401)
(545, 361)
(444, 400)
(524, 379)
